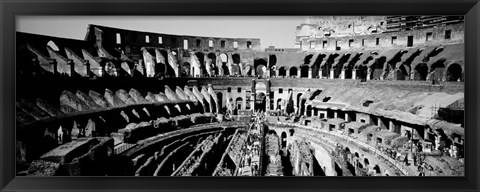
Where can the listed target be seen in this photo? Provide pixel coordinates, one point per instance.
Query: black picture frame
(10, 9)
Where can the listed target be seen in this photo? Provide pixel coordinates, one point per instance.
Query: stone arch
(282, 71)
(377, 68)
(454, 72)
(304, 71)
(437, 69)
(186, 69)
(224, 59)
(307, 59)
(365, 160)
(338, 169)
(293, 71)
(316, 65)
(236, 58)
(377, 169)
(212, 60)
(272, 62)
(201, 59)
(421, 71)
(239, 103)
(260, 101)
(260, 65)
(279, 104)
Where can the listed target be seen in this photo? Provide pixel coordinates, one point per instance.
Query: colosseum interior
(350, 100)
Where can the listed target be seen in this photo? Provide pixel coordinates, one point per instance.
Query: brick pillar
(354, 74)
(288, 72)
(332, 74)
(309, 73)
(347, 117)
(342, 74)
(320, 74)
(335, 114)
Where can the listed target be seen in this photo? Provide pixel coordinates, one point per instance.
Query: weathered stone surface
(99, 99)
(209, 100)
(137, 96)
(69, 99)
(88, 100)
(125, 97)
(151, 97)
(43, 168)
(32, 109)
(161, 97)
(112, 99)
(190, 94)
(214, 96)
(48, 108)
(170, 94)
(180, 93)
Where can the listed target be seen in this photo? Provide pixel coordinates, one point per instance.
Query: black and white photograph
(238, 96)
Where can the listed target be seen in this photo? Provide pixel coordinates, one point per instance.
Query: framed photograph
(275, 96)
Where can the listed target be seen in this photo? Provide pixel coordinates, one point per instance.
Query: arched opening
(309, 111)
(337, 69)
(212, 60)
(52, 45)
(282, 72)
(224, 59)
(236, 58)
(272, 61)
(349, 67)
(377, 169)
(185, 69)
(377, 68)
(316, 65)
(328, 65)
(260, 67)
(437, 70)
(238, 103)
(351, 168)
(201, 60)
(284, 139)
(421, 71)
(293, 71)
(304, 71)
(347, 150)
(307, 59)
(279, 104)
(356, 155)
(260, 103)
(338, 170)
(165, 68)
(220, 100)
(366, 162)
(454, 72)
(401, 73)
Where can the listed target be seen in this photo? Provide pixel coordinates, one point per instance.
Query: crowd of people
(251, 151)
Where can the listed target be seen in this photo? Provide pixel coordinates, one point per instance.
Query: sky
(278, 31)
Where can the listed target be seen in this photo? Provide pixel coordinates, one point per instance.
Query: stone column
(288, 72)
(320, 74)
(332, 74)
(391, 126)
(277, 72)
(354, 74)
(335, 114)
(309, 73)
(347, 117)
(204, 64)
(342, 74)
